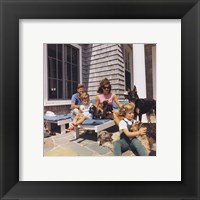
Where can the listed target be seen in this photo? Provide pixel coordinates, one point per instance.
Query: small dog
(136, 126)
(96, 113)
(107, 109)
(149, 139)
(142, 138)
(107, 139)
(101, 113)
(104, 136)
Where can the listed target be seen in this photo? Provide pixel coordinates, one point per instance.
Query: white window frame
(45, 78)
(130, 52)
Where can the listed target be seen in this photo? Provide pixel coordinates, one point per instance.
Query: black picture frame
(186, 10)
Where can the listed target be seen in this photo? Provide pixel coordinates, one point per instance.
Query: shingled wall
(101, 61)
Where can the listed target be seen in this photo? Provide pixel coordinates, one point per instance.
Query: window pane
(52, 50)
(52, 89)
(51, 68)
(68, 54)
(75, 84)
(60, 70)
(69, 77)
(60, 51)
(75, 72)
(69, 90)
(60, 90)
(74, 56)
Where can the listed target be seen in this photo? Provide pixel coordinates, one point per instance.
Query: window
(63, 71)
(55, 71)
(71, 61)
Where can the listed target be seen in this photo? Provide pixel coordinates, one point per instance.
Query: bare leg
(76, 119)
(81, 120)
(75, 122)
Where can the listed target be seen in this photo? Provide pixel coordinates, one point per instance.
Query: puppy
(144, 139)
(104, 136)
(101, 112)
(136, 126)
(107, 109)
(107, 139)
(96, 113)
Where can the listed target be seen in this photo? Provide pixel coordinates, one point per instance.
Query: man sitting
(76, 101)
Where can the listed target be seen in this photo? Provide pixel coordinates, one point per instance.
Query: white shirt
(85, 110)
(123, 124)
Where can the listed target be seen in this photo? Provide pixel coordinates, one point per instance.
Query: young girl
(83, 112)
(128, 138)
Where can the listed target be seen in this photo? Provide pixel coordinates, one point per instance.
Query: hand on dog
(143, 130)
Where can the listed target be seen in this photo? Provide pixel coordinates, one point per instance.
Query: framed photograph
(23, 70)
(59, 64)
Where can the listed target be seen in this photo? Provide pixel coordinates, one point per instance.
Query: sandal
(70, 129)
(74, 125)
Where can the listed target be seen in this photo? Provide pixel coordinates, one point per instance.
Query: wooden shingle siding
(106, 68)
(101, 61)
(106, 64)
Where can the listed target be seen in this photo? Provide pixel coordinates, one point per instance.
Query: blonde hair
(126, 108)
(84, 96)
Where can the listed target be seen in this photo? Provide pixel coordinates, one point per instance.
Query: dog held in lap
(149, 139)
(107, 109)
(142, 106)
(101, 113)
(96, 113)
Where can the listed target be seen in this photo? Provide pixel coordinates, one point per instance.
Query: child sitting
(128, 138)
(83, 112)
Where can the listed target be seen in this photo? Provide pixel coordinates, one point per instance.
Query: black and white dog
(96, 113)
(101, 113)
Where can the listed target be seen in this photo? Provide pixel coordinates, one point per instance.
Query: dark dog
(96, 113)
(101, 113)
(107, 109)
(142, 106)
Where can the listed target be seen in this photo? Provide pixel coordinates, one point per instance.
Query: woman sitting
(105, 95)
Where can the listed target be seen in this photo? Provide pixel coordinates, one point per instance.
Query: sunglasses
(106, 87)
